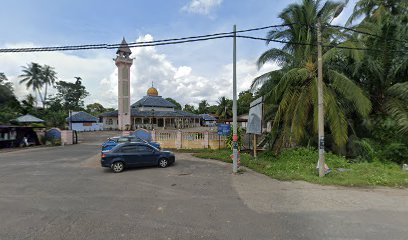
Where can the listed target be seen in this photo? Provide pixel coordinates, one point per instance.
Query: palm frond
(350, 91)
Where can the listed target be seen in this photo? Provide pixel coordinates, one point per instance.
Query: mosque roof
(153, 101)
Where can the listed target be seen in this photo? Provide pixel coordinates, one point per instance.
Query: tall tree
(32, 77)
(203, 107)
(244, 100)
(48, 76)
(178, 105)
(9, 105)
(293, 88)
(224, 110)
(383, 71)
(189, 108)
(71, 95)
(95, 109)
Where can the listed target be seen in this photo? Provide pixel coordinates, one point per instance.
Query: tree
(189, 108)
(383, 72)
(48, 76)
(224, 110)
(203, 107)
(32, 77)
(71, 95)
(244, 100)
(9, 105)
(293, 88)
(95, 109)
(178, 105)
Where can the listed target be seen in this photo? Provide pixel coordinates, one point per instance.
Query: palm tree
(293, 88)
(383, 71)
(224, 109)
(49, 77)
(32, 77)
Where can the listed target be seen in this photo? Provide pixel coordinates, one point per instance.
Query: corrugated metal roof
(29, 119)
(82, 117)
(153, 101)
(207, 117)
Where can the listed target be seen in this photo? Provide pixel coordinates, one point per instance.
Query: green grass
(300, 164)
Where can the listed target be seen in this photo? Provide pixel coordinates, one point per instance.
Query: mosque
(150, 112)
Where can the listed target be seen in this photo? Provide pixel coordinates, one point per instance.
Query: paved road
(62, 193)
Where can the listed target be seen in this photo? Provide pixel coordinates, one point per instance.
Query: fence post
(153, 135)
(178, 139)
(206, 142)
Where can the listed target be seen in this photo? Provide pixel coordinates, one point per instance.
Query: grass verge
(300, 164)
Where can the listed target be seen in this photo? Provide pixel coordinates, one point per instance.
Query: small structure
(241, 119)
(208, 120)
(15, 136)
(82, 121)
(28, 119)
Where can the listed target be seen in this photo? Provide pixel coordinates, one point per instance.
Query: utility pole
(234, 105)
(320, 100)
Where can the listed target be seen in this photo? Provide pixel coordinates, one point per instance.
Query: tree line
(365, 67)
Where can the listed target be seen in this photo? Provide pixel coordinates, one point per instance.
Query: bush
(396, 152)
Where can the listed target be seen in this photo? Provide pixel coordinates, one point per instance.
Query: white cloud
(180, 82)
(99, 75)
(90, 69)
(203, 7)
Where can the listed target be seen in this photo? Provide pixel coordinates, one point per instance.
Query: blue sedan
(131, 154)
(112, 142)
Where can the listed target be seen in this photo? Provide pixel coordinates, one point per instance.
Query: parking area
(63, 193)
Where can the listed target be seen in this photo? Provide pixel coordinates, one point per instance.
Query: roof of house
(207, 117)
(28, 119)
(136, 113)
(81, 117)
(153, 101)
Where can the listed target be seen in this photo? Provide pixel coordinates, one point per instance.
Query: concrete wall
(188, 140)
(86, 127)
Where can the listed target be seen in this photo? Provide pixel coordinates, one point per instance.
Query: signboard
(255, 116)
(224, 129)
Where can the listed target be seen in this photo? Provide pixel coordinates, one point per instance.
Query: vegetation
(300, 164)
(366, 91)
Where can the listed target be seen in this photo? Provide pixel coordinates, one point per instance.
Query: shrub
(396, 152)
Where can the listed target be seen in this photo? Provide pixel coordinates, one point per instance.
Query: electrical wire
(366, 33)
(198, 38)
(323, 45)
(139, 44)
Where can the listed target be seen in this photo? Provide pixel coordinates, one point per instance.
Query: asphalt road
(63, 193)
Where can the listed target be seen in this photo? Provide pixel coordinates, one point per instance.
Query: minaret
(123, 62)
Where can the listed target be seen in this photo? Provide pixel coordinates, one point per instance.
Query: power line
(366, 33)
(139, 44)
(311, 44)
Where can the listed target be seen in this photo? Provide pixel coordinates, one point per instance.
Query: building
(242, 121)
(152, 112)
(82, 121)
(208, 120)
(28, 119)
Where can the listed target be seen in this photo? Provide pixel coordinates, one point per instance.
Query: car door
(131, 155)
(147, 154)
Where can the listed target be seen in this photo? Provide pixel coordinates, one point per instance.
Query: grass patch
(300, 164)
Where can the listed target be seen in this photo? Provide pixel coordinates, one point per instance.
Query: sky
(188, 73)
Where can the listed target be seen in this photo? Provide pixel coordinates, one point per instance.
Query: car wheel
(163, 162)
(118, 167)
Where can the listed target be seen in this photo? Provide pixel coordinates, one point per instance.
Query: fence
(188, 140)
